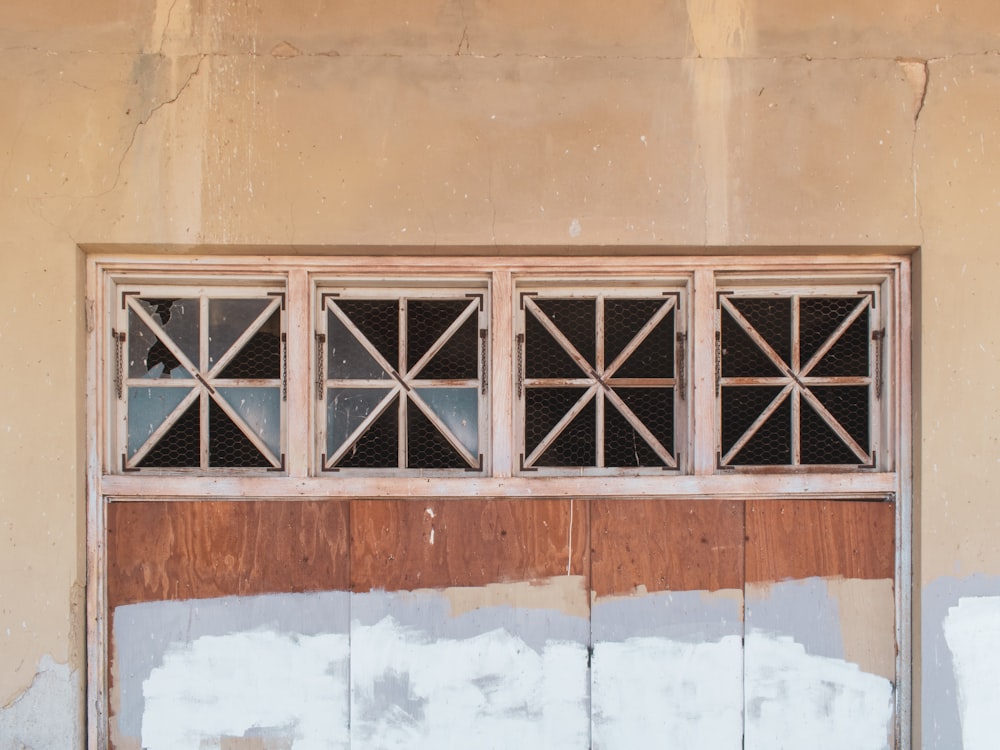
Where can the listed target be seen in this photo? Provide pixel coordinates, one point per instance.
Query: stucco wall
(705, 123)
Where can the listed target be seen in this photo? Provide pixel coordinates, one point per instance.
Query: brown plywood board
(806, 538)
(666, 545)
(406, 545)
(196, 550)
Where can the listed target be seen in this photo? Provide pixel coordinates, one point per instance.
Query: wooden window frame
(698, 474)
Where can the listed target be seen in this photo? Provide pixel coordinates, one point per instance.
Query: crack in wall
(144, 120)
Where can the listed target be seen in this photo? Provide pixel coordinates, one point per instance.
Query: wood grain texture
(407, 545)
(805, 538)
(196, 550)
(666, 545)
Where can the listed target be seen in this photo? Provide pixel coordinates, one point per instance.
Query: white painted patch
(972, 631)
(574, 228)
(685, 695)
(796, 700)
(490, 690)
(230, 685)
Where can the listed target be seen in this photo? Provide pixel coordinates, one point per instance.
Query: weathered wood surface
(805, 538)
(407, 545)
(197, 550)
(666, 545)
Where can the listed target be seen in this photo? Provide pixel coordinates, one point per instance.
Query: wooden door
(613, 623)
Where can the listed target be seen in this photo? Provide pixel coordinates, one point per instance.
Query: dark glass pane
(378, 447)
(261, 355)
(426, 446)
(576, 320)
(623, 446)
(227, 445)
(181, 446)
(819, 443)
(346, 357)
(459, 357)
(771, 445)
(848, 356)
(741, 357)
(741, 405)
(228, 319)
(426, 321)
(850, 406)
(378, 321)
(623, 319)
(772, 319)
(577, 444)
(148, 356)
(654, 357)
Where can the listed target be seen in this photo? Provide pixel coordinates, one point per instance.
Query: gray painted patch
(145, 632)
(803, 609)
(941, 725)
(47, 714)
(685, 616)
(430, 612)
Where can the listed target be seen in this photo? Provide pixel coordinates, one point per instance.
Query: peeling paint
(47, 714)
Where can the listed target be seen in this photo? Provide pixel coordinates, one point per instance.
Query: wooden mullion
(245, 428)
(558, 382)
(163, 336)
(501, 412)
(638, 425)
(244, 337)
(300, 406)
(362, 339)
(206, 427)
(599, 411)
(446, 433)
(702, 418)
(757, 424)
(641, 336)
(561, 339)
(835, 425)
(160, 431)
(443, 339)
(203, 432)
(333, 458)
(796, 426)
(832, 339)
(755, 336)
(561, 425)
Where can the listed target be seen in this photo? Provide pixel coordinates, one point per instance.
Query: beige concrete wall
(706, 122)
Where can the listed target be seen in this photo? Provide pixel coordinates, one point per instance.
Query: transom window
(200, 375)
(503, 371)
(597, 377)
(402, 373)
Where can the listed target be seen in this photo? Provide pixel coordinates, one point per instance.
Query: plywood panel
(202, 549)
(666, 545)
(400, 544)
(803, 538)
(820, 624)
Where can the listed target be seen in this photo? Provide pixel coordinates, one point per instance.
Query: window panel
(203, 386)
(798, 377)
(597, 381)
(404, 389)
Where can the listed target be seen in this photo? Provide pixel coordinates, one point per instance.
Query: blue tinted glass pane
(260, 409)
(148, 408)
(458, 408)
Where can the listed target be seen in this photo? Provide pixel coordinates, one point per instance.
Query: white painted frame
(300, 480)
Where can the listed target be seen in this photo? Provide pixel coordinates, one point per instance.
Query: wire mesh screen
(404, 345)
(583, 357)
(813, 350)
